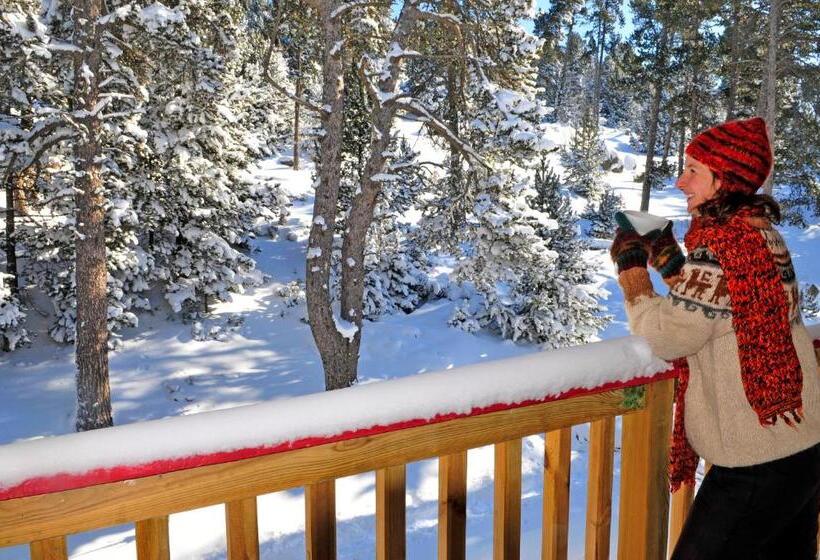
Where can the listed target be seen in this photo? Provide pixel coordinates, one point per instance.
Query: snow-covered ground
(268, 353)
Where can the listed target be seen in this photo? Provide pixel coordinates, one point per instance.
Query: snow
(162, 372)
(314, 253)
(157, 16)
(425, 395)
(347, 329)
(384, 177)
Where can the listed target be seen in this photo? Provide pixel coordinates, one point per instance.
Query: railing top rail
(148, 448)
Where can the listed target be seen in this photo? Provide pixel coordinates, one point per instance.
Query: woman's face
(697, 182)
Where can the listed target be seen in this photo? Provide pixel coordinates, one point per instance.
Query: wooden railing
(646, 530)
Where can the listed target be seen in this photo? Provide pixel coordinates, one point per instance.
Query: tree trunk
(667, 140)
(681, 146)
(735, 38)
(296, 109)
(653, 122)
(93, 395)
(364, 202)
(562, 76)
(456, 183)
(599, 63)
(339, 365)
(11, 249)
(770, 81)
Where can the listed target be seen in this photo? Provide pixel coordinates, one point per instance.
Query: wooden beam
(507, 502)
(391, 528)
(452, 506)
(242, 530)
(681, 503)
(23, 520)
(152, 539)
(644, 504)
(49, 549)
(555, 525)
(599, 489)
(320, 520)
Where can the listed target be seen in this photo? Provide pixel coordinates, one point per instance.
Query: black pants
(762, 512)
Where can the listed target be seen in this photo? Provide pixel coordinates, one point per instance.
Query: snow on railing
(142, 449)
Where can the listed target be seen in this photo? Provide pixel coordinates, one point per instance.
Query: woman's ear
(716, 183)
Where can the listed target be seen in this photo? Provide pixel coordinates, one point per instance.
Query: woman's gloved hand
(629, 250)
(665, 255)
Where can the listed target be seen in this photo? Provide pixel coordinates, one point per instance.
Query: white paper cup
(643, 222)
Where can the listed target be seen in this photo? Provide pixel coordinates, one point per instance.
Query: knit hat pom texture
(738, 152)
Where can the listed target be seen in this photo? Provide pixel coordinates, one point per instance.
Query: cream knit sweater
(695, 320)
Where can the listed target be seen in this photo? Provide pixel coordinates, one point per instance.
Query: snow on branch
(419, 110)
(449, 18)
(351, 5)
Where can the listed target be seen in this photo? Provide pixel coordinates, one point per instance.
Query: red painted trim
(67, 481)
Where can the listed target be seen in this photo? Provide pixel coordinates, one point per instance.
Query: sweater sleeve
(697, 308)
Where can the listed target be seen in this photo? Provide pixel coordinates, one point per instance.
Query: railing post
(391, 527)
(320, 520)
(507, 503)
(152, 539)
(242, 529)
(452, 506)
(644, 504)
(555, 525)
(49, 549)
(599, 488)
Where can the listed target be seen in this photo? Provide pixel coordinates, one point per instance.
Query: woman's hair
(726, 203)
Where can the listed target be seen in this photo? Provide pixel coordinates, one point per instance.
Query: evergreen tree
(12, 333)
(563, 59)
(601, 215)
(564, 238)
(584, 158)
(603, 18)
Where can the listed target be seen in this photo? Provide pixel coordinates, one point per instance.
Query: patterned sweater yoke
(694, 322)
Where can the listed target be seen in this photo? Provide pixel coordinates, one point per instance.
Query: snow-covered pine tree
(12, 333)
(263, 114)
(396, 267)
(48, 232)
(178, 204)
(563, 60)
(563, 239)
(201, 203)
(510, 273)
(583, 159)
(601, 215)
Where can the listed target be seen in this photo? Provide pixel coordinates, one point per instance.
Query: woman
(748, 397)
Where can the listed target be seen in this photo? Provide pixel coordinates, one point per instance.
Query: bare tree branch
(269, 79)
(456, 142)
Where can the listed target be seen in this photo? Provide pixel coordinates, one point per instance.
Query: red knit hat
(737, 152)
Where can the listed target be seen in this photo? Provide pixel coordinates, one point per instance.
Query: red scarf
(769, 367)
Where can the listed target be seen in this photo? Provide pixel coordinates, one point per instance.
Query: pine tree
(584, 158)
(601, 216)
(603, 17)
(563, 59)
(12, 333)
(563, 239)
